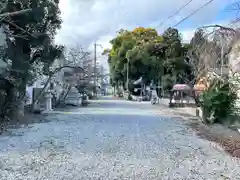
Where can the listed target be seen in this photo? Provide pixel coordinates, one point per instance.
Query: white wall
(2, 43)
(234, 63)
(2, 37)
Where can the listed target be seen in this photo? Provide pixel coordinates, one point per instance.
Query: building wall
(2, 43)
(234, 70)
(2, 37)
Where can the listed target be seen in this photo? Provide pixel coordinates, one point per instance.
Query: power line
(174, 14)
(194, 12)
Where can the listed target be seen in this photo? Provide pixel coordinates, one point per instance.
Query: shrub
(218, 101)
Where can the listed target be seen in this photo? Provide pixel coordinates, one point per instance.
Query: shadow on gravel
(226, 138)
(27, 120)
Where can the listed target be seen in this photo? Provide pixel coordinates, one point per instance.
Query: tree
(135, 47)
(74, 57)
(29, 40)
(148, 54)
(117, 56)
(196, 55)
(209, 49)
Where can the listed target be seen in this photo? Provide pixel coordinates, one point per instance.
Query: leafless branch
(199, 57)
(18, 27)
(206, 53)
(74, 57)
(8, 14)
(5, 16)
(218, 26)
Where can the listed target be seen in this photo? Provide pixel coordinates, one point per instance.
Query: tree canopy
(29, 44)
(150, 55)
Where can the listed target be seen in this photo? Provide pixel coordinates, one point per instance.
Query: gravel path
(112, 139)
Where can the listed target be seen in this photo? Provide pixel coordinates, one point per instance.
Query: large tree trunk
(6, 87)
(11, 101)
(117, 87)
(19, 73)
(114, 90)
(15, 102)
(12, 109)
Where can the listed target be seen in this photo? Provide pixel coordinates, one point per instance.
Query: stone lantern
(48, 96)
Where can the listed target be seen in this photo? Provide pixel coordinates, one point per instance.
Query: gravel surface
(112, 139)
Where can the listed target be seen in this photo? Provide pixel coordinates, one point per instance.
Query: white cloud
(86, 21)
(187, 35)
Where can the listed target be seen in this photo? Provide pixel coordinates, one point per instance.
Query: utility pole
(95, 66)
(127, 74)
(102, 84)
(222, 55)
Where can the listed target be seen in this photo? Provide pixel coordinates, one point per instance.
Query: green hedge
(218, 101)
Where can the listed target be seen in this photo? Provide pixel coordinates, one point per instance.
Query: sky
(87, 21)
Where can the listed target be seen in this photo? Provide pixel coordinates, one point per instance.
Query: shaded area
(226, 138)
(6, 127)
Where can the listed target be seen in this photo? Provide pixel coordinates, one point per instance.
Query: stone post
(48, 101)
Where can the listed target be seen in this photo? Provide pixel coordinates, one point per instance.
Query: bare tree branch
(218, 26)
(18, 27)
(205, 55)
(74, 57)
(3, 15)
